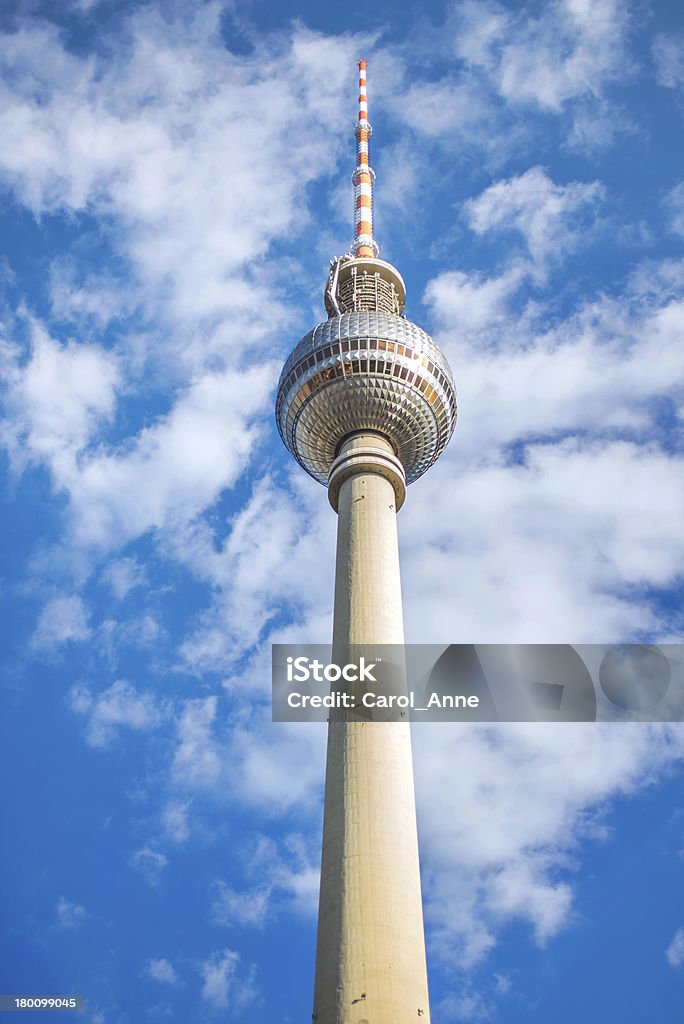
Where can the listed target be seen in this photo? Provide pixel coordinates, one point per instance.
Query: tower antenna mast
(363, 177)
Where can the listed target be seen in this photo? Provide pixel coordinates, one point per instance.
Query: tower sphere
(367, 368)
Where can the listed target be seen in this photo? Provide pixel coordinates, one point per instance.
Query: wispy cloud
(291, 869)
(674, 205)
(499, 846)
(150, 863)
(63, 620)
(57, 399)
(225, 986)
(668, 55)
(161, 970)
(548, 216)
(175, 820)
(198, 761)
(120, 706)
(231, 907)
(567, 51)
(252, 570)
(70, 915)
(674, 953)
(124, 575)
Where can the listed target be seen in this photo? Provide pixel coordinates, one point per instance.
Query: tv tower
(366, 403)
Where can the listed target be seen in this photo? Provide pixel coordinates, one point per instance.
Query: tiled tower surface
(366, 403)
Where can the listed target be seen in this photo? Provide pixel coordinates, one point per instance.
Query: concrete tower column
(370, 958)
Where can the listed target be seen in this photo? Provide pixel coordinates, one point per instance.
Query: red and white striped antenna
(363, 177)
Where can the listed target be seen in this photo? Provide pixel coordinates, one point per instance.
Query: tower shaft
(370, 958)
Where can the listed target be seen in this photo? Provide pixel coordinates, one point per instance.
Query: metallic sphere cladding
(366, 370)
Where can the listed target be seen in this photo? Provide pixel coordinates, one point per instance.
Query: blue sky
(173, 180)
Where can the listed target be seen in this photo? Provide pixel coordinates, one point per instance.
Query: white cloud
(170, 470)
(442, 108)
(454, 115)
(503, 984)
(86, 298)
(124, 575)
(161, 970)
(606, 368)
(58, 399)
(559, 546)
(230, 907)
(498, 846)
(150, 863)
(573, 49)
(293, 868)
(596, 125)
(479, 29)
(63, 620)
(548, 216)
(178, 466)
(175, 820)
(243, 760)
(70, 915)
(252, 570)
(119, 706)
(161, 166)
(668, 54)
(198, 762)
(675, 951)
(143, 631)
(224, 987)
(467, 1006)
(675, 207)
(292, 872)
(472, 303)
(255, 755)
